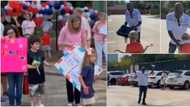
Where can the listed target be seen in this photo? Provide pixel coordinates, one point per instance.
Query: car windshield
(116, 73)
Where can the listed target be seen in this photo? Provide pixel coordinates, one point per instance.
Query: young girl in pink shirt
(72, 35)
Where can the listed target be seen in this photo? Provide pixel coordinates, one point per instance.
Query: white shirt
(133, 21)
(28, 27)
(2, 29)
(142, 78)
(178, 31)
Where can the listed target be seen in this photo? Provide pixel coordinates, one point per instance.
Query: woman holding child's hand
(72, 35)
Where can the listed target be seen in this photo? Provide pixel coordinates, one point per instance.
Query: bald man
(177, 24)
(133, 18)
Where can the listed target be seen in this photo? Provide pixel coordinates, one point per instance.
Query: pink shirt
(96, 30)
(71, 38)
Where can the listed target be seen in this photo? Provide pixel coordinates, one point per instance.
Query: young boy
(46, 44)
(36, 75)
(87, 74)
(134, 46)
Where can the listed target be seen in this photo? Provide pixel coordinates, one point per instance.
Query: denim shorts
(36, 89)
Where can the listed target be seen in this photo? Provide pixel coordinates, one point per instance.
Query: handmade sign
(70, 65)
(103, 30)
(13, 55)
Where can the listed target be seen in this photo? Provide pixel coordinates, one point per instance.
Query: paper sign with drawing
(70, 65)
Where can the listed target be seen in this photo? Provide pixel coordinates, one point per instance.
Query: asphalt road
(150, 33)
(55, 91)
(128, 95)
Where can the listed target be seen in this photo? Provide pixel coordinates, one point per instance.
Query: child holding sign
(36, 74)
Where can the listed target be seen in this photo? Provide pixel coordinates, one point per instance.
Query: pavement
(55, 91)
(150, 33)
(128, 95)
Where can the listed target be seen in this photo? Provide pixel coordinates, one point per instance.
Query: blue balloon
(57, 5)
(48, 11)
(62, 12)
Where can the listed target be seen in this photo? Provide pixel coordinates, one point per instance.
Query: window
(187, 74)
(160, 73)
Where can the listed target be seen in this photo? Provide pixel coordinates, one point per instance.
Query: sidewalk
(55, 91)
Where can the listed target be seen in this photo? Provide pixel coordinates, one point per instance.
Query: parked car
(154, 78)
(123, 80)
(132, 79)
(179, 78)
(113, 76)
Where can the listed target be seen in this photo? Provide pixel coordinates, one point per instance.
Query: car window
(116, 73)
(187, 74)
(160, 73)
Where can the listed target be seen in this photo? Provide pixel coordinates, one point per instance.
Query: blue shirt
(88, 76)
(142, 78)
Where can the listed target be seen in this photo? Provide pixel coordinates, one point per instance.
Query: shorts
(36, 89)
(46, 48)
(88, 101)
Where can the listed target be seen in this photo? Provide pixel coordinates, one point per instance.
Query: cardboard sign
(70, 65)
(103, 30)
(13, 55)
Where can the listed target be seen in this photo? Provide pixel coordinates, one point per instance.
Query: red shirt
(134, 47)
(185, 48)
(46, 39)
(39, 21)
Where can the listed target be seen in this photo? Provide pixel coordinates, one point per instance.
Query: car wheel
(186, 85)
(113, 81)
(171, 87)
(158, 84)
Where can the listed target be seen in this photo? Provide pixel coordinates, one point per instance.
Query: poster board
(14, 55)
(70, 65)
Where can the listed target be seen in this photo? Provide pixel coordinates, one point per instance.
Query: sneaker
(69, 104)
(139, 102)
(41, 105)
(4, 98)
(144, 103)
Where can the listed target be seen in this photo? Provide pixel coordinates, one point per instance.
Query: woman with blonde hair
(72, 35)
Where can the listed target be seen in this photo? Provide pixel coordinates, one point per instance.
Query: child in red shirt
(46, 44)
(185, 48)
(134, 46)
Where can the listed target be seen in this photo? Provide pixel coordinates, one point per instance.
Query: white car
(179, 78)
(154, 78)
(132, 78)
(113, 76)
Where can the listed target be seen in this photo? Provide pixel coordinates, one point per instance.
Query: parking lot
(128, 95)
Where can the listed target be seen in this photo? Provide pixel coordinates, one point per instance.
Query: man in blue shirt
(142, 77)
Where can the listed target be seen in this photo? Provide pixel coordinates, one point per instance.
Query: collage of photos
(95, 53)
